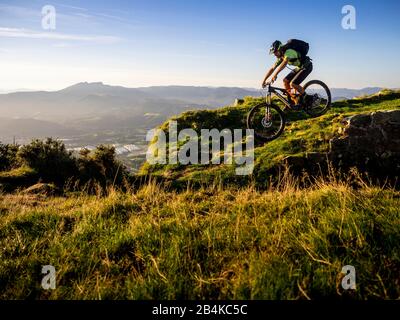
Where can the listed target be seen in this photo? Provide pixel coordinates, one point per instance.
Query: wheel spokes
(317, 99)
(266, 122)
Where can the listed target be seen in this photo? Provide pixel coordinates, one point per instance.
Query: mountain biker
(293, 53)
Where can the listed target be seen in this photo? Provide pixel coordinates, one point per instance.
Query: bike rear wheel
(317, 99)
(268, 122)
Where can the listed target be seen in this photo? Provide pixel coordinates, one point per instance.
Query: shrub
(50, 159)
(101, 166)
(8, 156)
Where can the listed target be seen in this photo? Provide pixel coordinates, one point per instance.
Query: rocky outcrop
(314, 163)
(238, 102)
(370, 142)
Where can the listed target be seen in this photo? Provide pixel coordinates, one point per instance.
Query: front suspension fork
(268, 100)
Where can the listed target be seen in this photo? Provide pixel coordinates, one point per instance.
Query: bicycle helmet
(275, 46)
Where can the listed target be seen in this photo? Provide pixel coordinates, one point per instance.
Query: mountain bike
(268, 120)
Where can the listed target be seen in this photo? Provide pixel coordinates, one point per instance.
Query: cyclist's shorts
(299, 75)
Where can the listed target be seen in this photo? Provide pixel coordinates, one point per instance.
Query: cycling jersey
(293, 57)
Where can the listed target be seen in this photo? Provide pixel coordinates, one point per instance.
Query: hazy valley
(89, 114)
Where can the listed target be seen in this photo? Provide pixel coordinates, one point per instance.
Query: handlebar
(268, 85)
(266, 90)
(270, 89)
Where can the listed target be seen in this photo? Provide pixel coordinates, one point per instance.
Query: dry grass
(211, 243)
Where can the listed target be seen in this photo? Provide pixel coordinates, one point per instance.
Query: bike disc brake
(266, 122)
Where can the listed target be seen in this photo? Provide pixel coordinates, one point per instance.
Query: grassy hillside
(216, 241)
(285, 243)
(303, 134)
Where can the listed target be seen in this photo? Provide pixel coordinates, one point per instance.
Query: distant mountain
(88, 99)
(85, 99)
(93, 107)
(33, 128)
(200, 95)
(342, 93)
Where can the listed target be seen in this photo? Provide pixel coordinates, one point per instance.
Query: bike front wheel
(267, 121)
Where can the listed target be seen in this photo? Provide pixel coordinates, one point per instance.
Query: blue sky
(193, 42)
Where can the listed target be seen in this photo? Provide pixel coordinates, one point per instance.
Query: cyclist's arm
(280, 68)
(270, 71)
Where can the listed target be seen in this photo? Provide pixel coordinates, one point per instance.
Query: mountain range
(92, 107)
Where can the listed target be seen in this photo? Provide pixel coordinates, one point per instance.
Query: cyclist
(293, 53)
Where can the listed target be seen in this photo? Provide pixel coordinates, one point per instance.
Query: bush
(8, 156)
(101, 166)
(50, 159)
(53, 163)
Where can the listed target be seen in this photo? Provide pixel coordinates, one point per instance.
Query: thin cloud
(70, 7)
(84, 15)
(30, 34)
(70, 15)
(113, 17)
(110, 16)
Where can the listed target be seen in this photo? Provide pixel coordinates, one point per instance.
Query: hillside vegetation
(302, 135)
(213, 243)
(219, 237)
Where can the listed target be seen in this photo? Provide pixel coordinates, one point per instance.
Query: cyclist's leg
(288, 79)
(301, 75)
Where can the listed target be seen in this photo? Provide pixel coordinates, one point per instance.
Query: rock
(375, 134)
(350, 131)
(383, 117)
(238, 102)
(316, 157)
(396, 146)
(361, 120)
(338, 145)
(371, 142)
(295, 161)
(345, 121)
(45, 189)
(395, 117)
(311, 162)
(392, 131)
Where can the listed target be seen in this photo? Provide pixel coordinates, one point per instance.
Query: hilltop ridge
(303, 135)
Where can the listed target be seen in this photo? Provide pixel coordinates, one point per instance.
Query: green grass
(303, 134)
(17, 178)
(21, 172)
(216, 241)
(284, 243)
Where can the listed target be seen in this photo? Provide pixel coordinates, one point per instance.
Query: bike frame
(275, 90)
